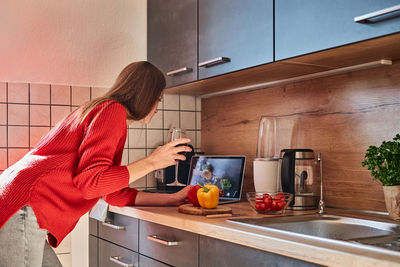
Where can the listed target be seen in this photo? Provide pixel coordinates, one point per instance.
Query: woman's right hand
(168, 154)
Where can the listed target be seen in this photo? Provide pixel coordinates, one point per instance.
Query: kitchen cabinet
(172, 39)
(93, 227)
(114, 255)
(234, 35)
(161, 246)
(119, 241)
(148, 262)
(215, 253)
(168, 245)
(303, 27)
(93, 250)
(121, 230)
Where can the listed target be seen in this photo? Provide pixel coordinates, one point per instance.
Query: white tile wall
(154, 138)
(28, 111)
(187, 102)
(137, 138)
(173, 111)
(156, 121)
(171, 119)
(188, 120)
(171, 102)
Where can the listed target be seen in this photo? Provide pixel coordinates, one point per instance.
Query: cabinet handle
(163, 241)
(215, 61)
(117, 260)
(179, 71)
(116, 227)
(364, 18)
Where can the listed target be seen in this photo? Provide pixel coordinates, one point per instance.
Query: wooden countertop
(311, 249)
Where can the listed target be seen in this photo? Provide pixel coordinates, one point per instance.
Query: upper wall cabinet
(172, 39)
(303, 27)
(234, 35)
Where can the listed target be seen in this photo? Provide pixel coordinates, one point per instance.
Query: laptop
(226, 172)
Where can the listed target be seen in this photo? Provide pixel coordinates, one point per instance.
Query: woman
(78, 162)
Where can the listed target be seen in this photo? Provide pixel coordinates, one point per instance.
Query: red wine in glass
(174, 134)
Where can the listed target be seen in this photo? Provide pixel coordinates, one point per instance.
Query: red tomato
(280, 204)
(267, 200)
(279, 196)
(275, 205)
(259, 198)
(260, 206)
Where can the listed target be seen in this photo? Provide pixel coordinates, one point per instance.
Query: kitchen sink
(325, 226)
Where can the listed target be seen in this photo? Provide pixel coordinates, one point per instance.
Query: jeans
(23, 243)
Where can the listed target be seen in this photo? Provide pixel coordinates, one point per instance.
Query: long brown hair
(137, 88)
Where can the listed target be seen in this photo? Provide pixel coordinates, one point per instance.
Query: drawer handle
(116, 227)
(366, 17)
(163, 241)
(215, 61)
(117, 260)
(179, 71)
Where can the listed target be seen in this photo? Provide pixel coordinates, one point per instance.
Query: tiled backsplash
(28, 111)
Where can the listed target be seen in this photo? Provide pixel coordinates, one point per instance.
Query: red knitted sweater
(75, 164)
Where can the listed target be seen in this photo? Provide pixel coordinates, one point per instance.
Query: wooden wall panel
(339, 116)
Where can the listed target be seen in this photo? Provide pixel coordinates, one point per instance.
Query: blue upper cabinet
(306, 26)
(234, 35)
(172, 39)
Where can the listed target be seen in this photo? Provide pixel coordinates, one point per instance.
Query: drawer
(93, 227)
(147, 262)
(169, 245)
(111, 255)
(216, 253)
(93, 249)
(120, 229)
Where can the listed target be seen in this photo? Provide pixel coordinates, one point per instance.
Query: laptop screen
(226, 172)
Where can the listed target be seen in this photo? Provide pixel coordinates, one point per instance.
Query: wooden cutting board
(190, 209)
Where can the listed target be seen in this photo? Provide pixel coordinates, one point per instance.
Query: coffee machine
(300, 177)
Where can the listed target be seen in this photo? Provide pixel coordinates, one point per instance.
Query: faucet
(321, 204)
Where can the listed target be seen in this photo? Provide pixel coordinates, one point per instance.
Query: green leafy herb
(384, 161)
(226, 183)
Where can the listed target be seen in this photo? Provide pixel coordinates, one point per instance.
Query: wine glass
(174, 134)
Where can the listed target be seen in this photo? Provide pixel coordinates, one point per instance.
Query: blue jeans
(23, 243)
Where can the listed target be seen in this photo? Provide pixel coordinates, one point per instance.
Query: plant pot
(392, 200)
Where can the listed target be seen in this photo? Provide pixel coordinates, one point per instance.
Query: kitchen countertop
(317, 250)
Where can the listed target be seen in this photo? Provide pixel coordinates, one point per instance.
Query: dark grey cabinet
(303, 27)
(93, 250)
(148, 262)
(93, 227)
(161, 246)
(216, 253)
(172, 39)
(111, 255)
(168, 245)
(120, 229)
(234, 35)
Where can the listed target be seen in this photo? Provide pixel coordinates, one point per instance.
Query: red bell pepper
(192, 195)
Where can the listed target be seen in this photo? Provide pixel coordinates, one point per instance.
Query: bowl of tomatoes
(269, 203)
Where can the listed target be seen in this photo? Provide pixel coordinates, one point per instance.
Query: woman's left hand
(179, 197)
(162, 199)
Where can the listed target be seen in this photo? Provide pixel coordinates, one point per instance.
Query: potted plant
(384, 164)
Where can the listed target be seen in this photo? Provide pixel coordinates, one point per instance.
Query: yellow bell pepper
(208, 196)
